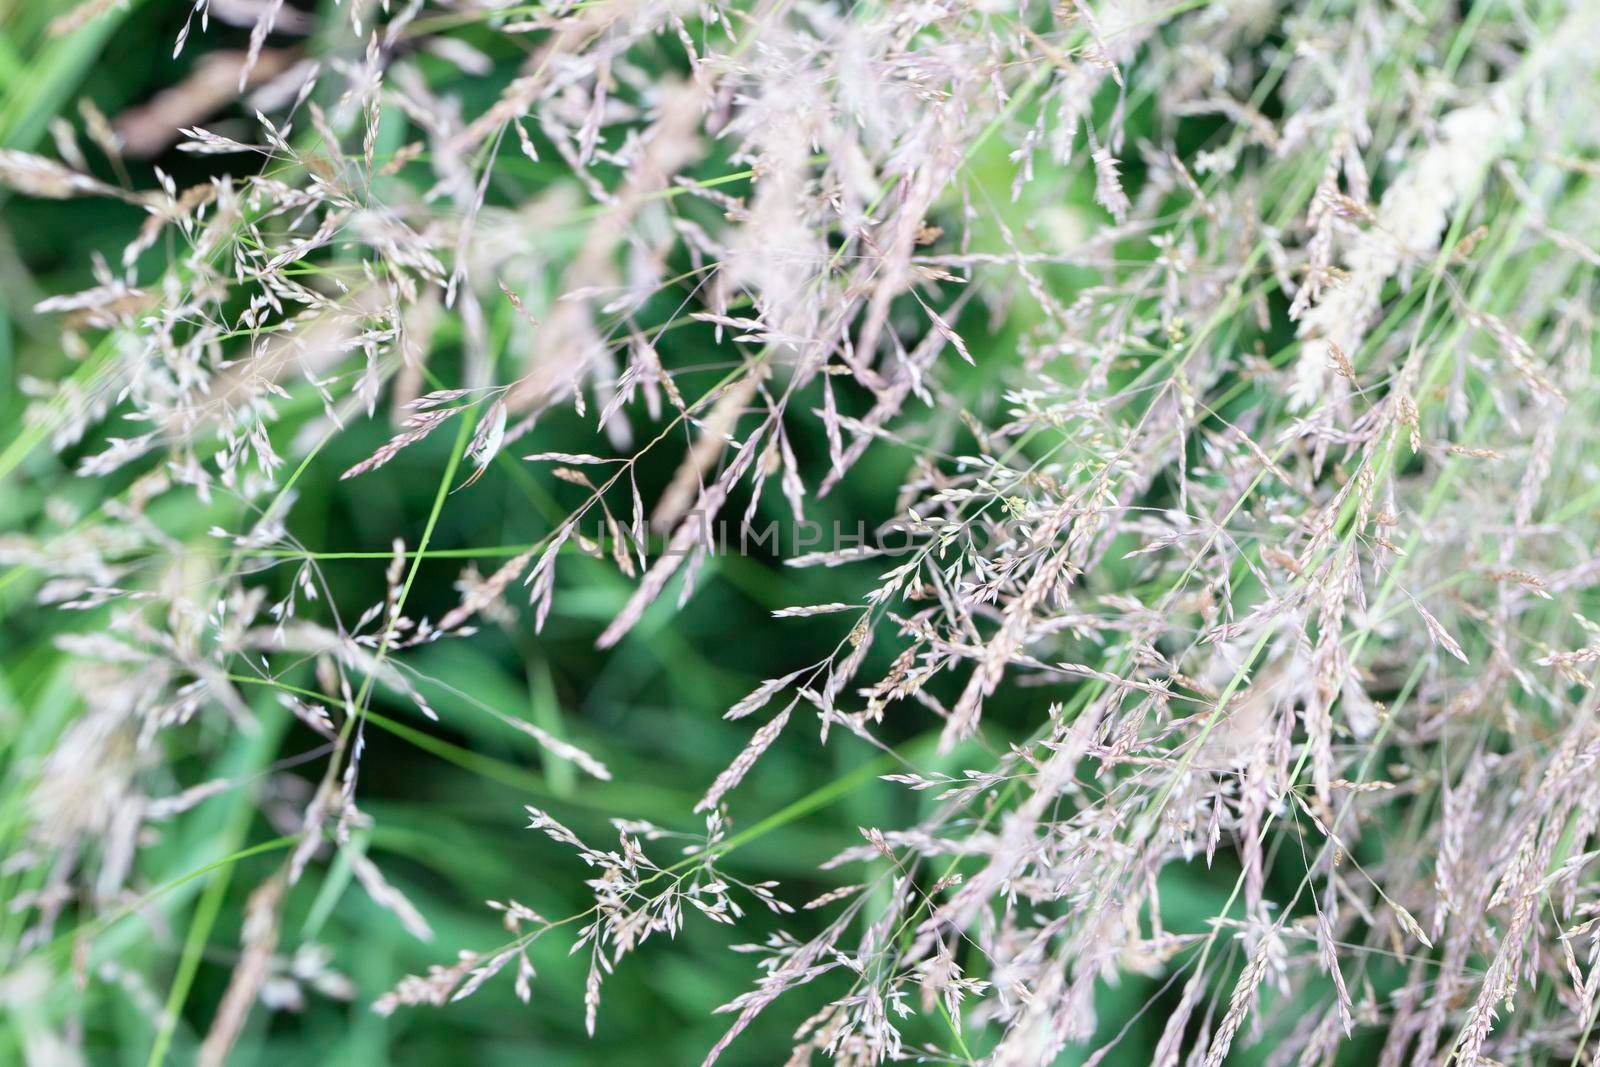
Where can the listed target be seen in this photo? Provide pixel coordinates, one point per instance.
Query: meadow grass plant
(954, 531)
